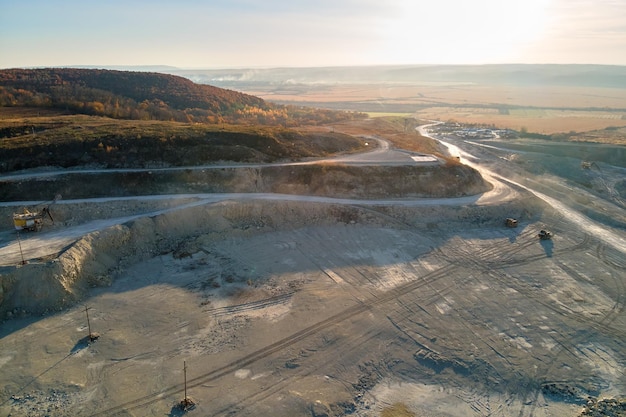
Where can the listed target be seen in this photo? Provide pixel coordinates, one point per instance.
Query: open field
(538, 109)
(459, 94)
(535, 120)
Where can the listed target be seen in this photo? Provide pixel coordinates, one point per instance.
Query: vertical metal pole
(88, 325)
(185, 374)
(19, 242)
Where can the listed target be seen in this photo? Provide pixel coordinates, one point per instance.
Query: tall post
(185, 374)
(187, 403)
(88, 325)
(92, 337)
(19, 243)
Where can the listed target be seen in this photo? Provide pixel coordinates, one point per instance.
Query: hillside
(177, 92)
(143, 96)
(66, 141)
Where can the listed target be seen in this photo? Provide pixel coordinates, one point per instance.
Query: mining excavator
(33, 220)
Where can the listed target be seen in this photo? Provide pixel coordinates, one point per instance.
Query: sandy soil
(303, 309)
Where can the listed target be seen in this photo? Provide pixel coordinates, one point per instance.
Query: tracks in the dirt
(611, 258)
(368, 294)
(352, 344)
(568, 344)
(492, 261)
(350, 312)
(495, 260)
(251, 306)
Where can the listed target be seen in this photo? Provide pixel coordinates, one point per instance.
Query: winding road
(29, 247)
(49, 242)
(601, 232)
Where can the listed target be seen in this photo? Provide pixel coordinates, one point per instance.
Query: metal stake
(88, 325)
(186, 404)
(19, 242)
(185, 374)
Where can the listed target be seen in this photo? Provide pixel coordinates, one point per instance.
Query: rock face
(320, 179)
(94, 261)
(372, 181)
(46, 286)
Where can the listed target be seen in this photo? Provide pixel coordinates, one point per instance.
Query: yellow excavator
(33, 220)
(28, 220)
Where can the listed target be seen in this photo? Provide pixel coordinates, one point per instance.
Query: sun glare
(451, 31)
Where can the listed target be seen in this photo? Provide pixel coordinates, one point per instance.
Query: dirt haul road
(327, 307)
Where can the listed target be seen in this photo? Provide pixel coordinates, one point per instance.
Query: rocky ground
(305, 309)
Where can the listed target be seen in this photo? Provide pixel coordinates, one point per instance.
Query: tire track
(618, 305)
(469, 321)
(351, 345)
(613, 260)
(601, 325)
(585, 243)
(562, 341)
(251, 306)
(266, 351)
(329, 267)
(473, 259)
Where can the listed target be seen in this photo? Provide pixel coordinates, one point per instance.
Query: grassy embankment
(47, 138)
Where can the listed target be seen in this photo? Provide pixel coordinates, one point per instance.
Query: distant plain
(545, 110)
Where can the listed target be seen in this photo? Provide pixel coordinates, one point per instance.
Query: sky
(309, 33)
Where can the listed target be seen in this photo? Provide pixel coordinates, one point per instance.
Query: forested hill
(132, 95)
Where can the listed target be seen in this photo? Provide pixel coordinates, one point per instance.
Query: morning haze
(307, 209)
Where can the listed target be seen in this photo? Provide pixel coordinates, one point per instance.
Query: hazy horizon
(193, 34)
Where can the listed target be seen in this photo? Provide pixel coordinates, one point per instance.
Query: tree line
(148, 96)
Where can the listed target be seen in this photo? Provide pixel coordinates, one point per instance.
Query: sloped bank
(330, 180)
(96, 259)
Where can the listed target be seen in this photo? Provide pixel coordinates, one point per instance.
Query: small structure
(544, 235)
(510, 222)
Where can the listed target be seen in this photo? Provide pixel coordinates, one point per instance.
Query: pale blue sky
(295, 33)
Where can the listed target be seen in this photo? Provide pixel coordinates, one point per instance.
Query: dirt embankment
(373, 182)
(320, 180)
(96, 259)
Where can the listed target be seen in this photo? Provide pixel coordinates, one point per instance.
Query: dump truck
(510, 222)
(544, 235)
